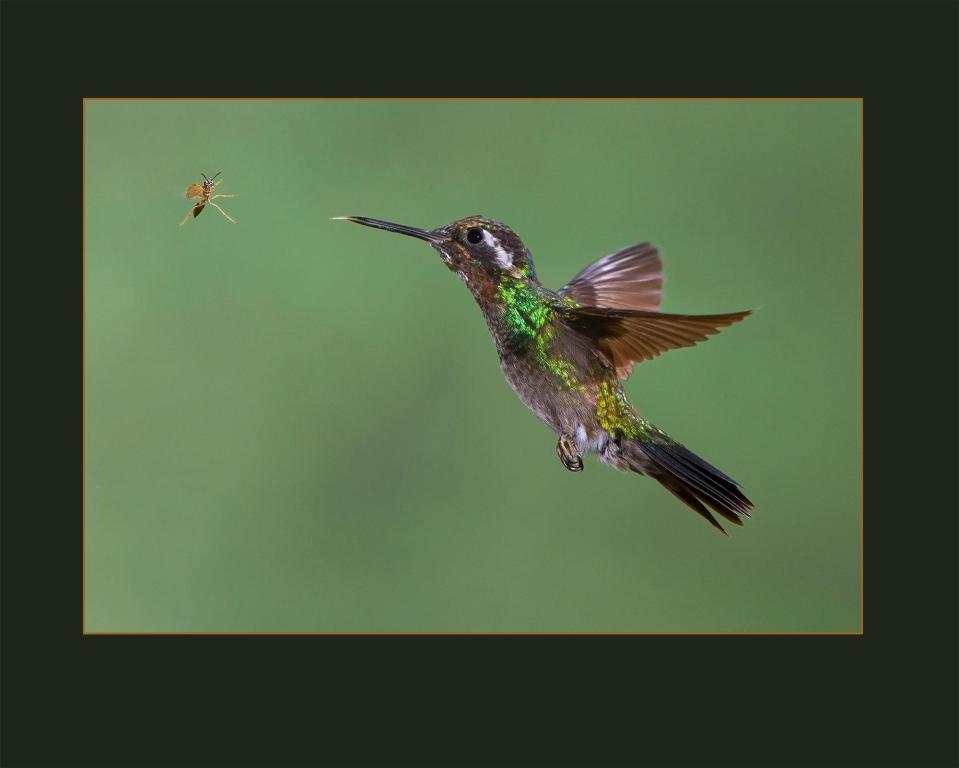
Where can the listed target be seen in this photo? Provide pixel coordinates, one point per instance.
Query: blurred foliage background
(297, 424)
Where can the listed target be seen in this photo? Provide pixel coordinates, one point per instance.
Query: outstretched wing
(625, 337)
(628, 279)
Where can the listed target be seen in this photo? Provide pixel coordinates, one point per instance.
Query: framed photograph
(298, 425)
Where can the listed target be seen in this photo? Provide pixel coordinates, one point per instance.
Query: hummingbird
(567, 353)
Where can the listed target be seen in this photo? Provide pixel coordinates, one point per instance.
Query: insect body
(203, 191)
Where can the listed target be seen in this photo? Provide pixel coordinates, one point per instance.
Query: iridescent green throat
(529, 317)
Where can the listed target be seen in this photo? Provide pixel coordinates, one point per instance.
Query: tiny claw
(566, 451)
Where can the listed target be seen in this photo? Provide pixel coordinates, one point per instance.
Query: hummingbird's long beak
(422, 234)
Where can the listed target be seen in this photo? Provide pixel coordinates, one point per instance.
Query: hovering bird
(203, 191)
(566, 353)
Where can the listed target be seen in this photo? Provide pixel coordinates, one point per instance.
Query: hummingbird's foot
(566, 451)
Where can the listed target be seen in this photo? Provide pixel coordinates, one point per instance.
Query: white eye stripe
(502, 255)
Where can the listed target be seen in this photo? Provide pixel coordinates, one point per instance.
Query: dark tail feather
(696, 482)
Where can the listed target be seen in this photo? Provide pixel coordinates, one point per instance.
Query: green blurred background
(297, 424)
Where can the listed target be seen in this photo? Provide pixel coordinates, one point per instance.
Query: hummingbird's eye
(474, 235)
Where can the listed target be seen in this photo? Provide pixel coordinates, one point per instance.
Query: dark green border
(888, 698)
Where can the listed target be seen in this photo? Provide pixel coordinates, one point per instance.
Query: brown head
(474, 247)
(203, 188)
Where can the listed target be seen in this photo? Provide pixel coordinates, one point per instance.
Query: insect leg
(228, 216)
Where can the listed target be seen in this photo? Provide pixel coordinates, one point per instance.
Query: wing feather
(625, 337)
(631, 278)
